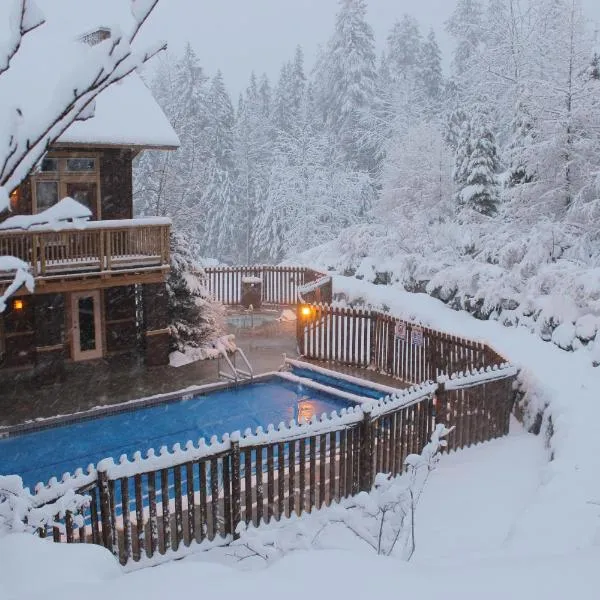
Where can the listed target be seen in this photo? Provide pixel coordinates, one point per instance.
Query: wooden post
(299, 330)
(366, 451)
(372, 340)
(106, 511)
(390, 347)
(236, 488)
(440, 411)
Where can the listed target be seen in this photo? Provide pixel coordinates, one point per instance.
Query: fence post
(440, 410)
(391, 333)
(106, 511)
(236, 488)
(366, 451)
(372, 340)
(300, 330)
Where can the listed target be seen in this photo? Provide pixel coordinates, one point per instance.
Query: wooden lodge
(99, 286)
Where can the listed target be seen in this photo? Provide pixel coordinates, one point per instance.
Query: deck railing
(279, 285)
(101, 246)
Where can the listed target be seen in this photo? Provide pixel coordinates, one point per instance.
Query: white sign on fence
(400, 330)
(417, 335)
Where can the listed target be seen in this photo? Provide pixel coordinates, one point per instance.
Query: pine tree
(253, 151)
(346, 76)
(404, 47)
(466, 26)
(430, 79)
(477, 167)
(221, 120)
(195, 320)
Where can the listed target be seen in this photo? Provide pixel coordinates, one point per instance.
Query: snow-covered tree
(417, 177)
(466, 27)
(345, 83)
(429, 76)
(195, 320)
(404, 46)
(477, 167)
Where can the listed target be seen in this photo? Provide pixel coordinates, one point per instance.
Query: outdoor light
(18, 305)
(15, 196)
(306, 311)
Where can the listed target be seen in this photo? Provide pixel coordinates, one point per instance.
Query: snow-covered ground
(565, 511)
(500, 520)
(468, 546)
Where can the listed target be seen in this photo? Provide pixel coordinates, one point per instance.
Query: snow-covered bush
(19, 510)
(382, 519)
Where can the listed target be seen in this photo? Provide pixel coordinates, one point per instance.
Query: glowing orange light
(306, 311)
(18, 304)
(15, 196)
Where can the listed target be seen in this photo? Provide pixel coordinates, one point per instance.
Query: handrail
(250, 372)
(234, 375)
(235, 372)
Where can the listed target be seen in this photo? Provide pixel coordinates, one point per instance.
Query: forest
(480, 183)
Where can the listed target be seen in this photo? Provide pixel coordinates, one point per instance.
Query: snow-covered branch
(28, 126)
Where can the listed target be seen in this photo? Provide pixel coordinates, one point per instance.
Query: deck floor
(119, 379)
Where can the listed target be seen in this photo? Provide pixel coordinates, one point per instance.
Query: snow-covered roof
(126, 113)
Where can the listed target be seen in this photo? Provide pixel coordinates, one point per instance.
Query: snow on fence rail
(279, 284)
(145, 509)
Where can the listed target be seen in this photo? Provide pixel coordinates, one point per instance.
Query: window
(80, 165)
(67, 174)
(49, 165)
(46, 194)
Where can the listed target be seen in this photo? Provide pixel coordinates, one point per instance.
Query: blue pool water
(46, 453)
(339, 384)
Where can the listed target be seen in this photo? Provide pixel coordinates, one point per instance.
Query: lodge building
(99, 273)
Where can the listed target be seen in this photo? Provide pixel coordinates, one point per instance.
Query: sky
(239, 36)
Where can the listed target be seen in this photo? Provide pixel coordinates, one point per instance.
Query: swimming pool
(49, 452)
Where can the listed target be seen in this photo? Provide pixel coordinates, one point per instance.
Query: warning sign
(417, 335)
(401, 330)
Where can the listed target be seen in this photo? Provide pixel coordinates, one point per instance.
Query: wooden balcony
(128, 250)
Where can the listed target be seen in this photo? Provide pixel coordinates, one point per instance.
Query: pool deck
(111, 381)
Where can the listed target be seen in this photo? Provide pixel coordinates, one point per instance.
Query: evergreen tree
(221, 120)
(466, 26)
(404, 47)
(477, 166)
(429, 77)
(195, 320)
(252, 150)
(346, 76)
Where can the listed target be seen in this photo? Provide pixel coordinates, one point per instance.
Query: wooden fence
(140, 510)
(393, 346)
(279, 284)
(158, 505)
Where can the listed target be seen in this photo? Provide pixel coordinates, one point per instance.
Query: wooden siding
(116, 184)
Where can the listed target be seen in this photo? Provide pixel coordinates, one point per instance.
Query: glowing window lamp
(18, 304)
(15, 196)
